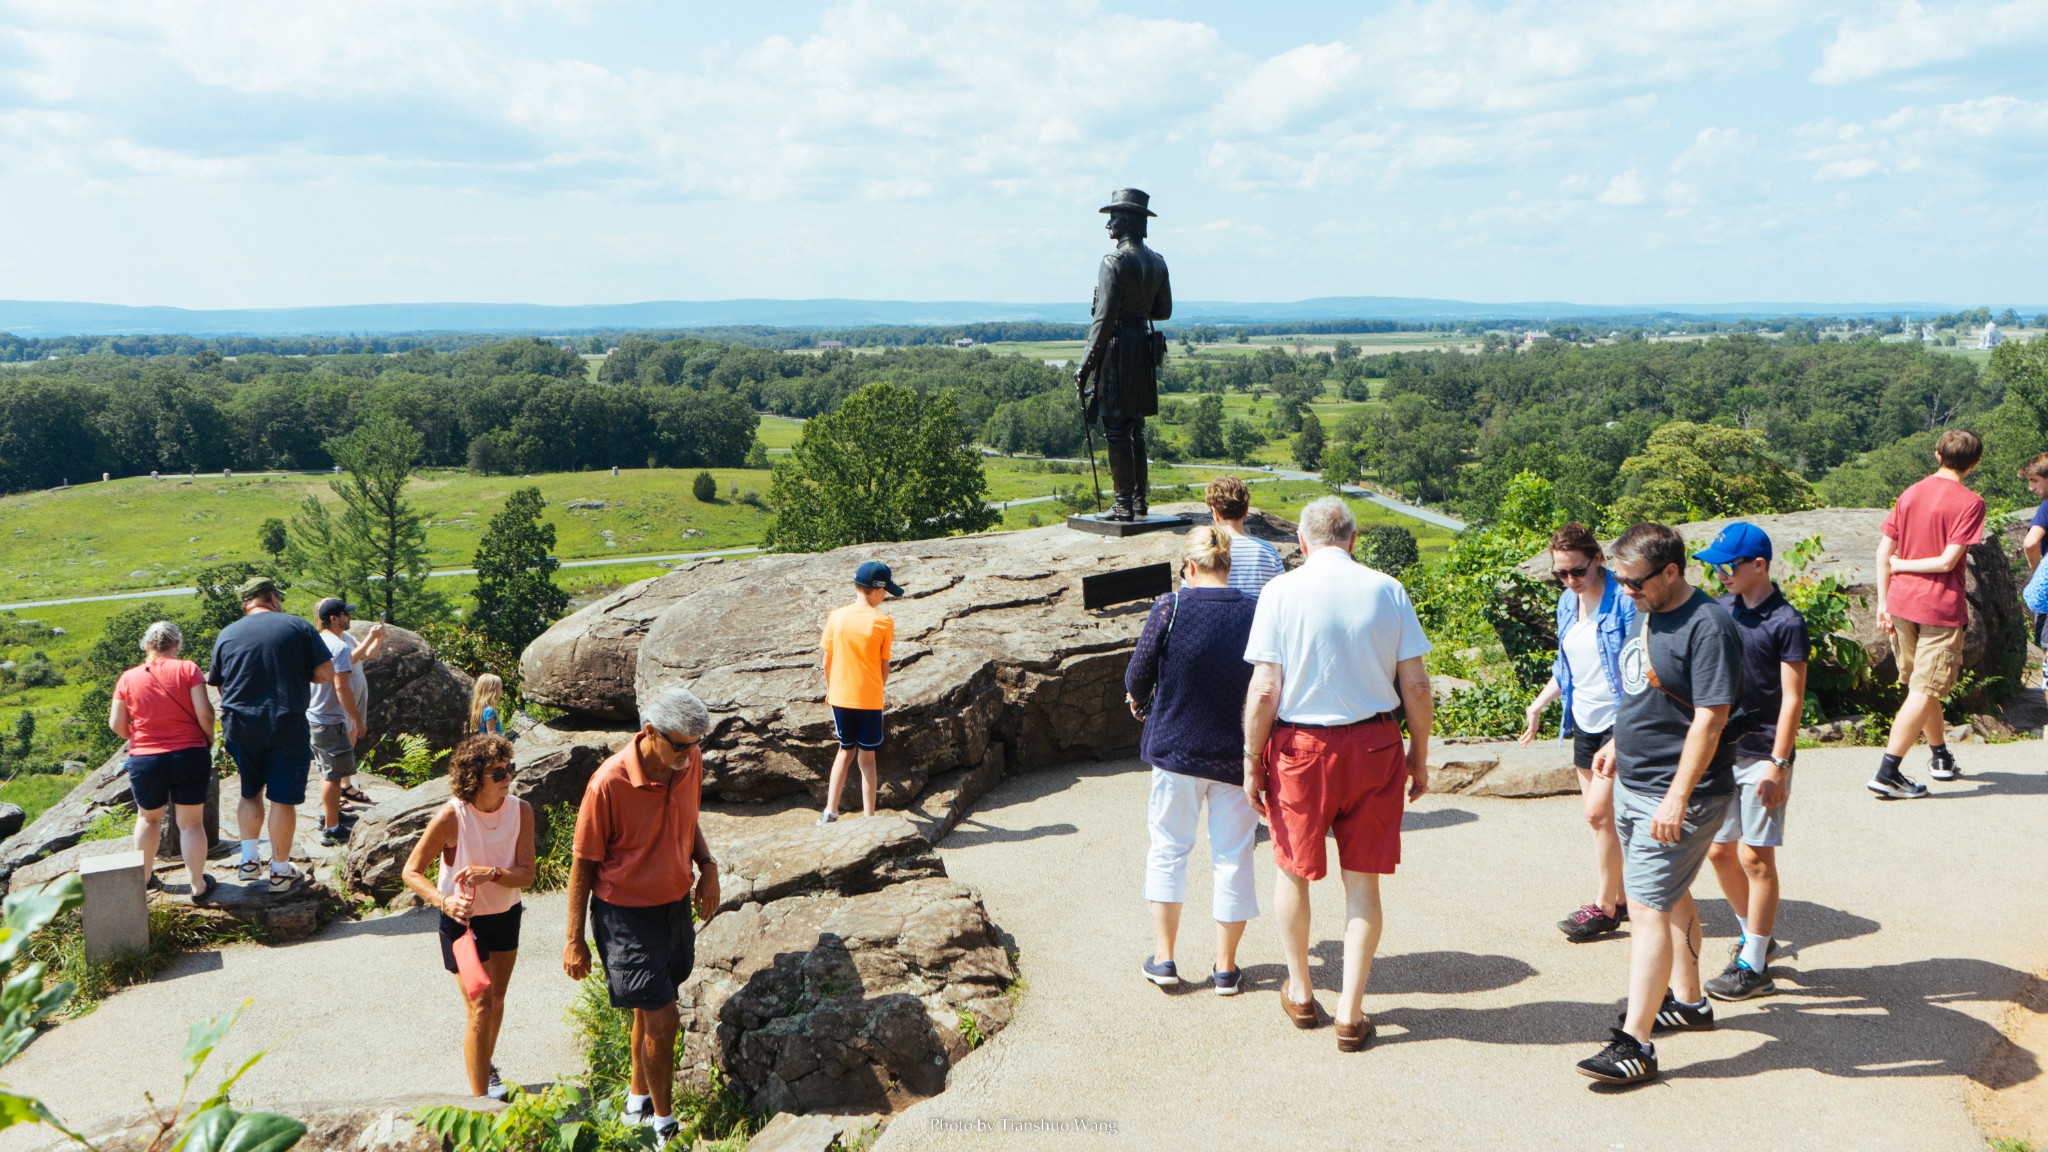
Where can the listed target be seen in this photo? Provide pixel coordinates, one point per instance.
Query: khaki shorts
(1930, 656)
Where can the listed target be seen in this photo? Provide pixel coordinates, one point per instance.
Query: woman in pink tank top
(483, 839)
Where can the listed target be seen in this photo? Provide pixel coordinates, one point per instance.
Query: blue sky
(216, 154)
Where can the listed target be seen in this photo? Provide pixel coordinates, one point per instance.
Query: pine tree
(378, 527)
(516, 597)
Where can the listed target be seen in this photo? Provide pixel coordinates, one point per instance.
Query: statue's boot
(1120, 471)
(1141, 487)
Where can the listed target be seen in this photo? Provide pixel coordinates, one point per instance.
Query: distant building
(831, 345)
(1927, 334)
(964, 342)
(1532, 337)
(1991, 337)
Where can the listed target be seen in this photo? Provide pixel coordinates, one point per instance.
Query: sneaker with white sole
(283, 881)
(1741, 982)
(1227, 983)
(665, 1134)
(644, 1114)
(1623, 1061)
(1944, 767)
(250, 870)
(1675, 1015)
(496, 1089)
(1896, 786)
(828, 817)
(1161, 972)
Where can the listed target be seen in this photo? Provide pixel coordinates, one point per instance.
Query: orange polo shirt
(639, 832)
(856, 642)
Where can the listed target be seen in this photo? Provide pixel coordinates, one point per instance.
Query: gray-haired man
(637, 839)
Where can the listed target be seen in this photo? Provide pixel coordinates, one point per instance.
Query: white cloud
(1908, 36)
(1625, 190)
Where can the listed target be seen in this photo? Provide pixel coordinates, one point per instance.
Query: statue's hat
(1129, 200)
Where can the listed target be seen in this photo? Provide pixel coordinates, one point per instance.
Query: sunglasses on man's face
(679, 745)
(1634, 583)
(1563, 574)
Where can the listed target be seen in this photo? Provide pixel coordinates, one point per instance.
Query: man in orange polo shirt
(856, 643)
(636, 840)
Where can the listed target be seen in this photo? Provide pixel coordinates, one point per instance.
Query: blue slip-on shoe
(1161, 972)
(1227, 983)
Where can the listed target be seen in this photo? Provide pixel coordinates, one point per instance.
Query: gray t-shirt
(325, 706)
(1697, 651)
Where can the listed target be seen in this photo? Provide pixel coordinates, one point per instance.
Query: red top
(640, 832)
(1930, 516)
(158, 697)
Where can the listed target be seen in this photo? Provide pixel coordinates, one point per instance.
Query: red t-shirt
(1930, 516)
(158, 697)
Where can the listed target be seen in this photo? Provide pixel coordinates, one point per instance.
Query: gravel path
(1917, 924)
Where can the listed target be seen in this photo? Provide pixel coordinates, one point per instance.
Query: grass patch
(116, 825)
(718, 1117)
(173, 928)
(38, 793)
(554, 847)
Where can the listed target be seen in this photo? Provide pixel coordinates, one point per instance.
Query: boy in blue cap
(856, 643)
(1774, 653)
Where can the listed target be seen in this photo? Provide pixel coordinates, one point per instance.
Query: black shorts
(177, 777)
(498, 932)
(1584, 744)
(277, 771)
(647, 952)
(857, 727)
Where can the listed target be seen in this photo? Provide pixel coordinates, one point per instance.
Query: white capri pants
(1175, 811)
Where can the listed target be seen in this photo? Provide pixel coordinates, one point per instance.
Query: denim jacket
(1614, 622)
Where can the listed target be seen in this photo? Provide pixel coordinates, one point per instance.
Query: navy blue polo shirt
(1773, 633)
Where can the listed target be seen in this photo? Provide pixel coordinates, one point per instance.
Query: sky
(226, 153)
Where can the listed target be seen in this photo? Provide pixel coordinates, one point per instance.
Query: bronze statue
(1124, 351)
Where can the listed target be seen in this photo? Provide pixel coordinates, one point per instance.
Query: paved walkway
(1917, 925)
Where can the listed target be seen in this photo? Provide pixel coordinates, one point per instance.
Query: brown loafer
(1354, 1037)
(1302, 1015)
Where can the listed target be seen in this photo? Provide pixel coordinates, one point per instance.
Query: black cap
(332, 607)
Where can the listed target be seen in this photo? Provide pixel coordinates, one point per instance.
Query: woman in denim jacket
(1594, 619)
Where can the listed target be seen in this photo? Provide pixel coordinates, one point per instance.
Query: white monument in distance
(1991, 336)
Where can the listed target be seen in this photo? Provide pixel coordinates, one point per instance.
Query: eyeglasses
(1634, 583)
(1563, 574)
(675, 743)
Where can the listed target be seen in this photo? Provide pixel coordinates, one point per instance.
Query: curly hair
(1228, 498)
(471, 760)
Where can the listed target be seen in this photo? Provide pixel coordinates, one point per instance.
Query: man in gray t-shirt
(1681, 674)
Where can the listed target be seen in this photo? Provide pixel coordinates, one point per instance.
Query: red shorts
(1352, 779)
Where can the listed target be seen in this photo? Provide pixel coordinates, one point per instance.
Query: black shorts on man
(647, 952)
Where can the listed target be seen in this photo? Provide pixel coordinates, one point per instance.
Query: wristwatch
(1784, 762)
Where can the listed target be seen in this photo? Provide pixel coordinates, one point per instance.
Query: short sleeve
(1263, 645)
(122, 694)
(340, 656)
(1891, 521)
(316, 649)
(1794, 646)
(593, 824)
(1413, 642)
(1716, 661)
(213, 665)
(2041, 515)
(1968, 527)
(888, 632)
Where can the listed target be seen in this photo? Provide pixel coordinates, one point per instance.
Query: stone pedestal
(168, 846)
(1100, 524)
(116, 912)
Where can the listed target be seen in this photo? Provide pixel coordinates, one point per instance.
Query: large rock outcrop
(1994, 645)
(845, 1004)
(412, 693)
(65, 823)
(993, 649)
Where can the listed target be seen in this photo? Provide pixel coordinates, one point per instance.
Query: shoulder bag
(1740, 721)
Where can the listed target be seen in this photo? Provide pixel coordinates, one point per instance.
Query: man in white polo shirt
(1336, 649)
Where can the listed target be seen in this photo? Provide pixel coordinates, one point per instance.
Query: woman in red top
(161, 709)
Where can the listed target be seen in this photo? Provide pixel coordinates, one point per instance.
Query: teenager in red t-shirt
(1920, 604)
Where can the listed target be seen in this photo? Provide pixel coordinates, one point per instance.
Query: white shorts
(1175, 811)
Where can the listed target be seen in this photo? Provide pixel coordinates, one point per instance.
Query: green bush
(416, 762)
(554, 847)
(38, 672)
(1481, 710)
(705, 488)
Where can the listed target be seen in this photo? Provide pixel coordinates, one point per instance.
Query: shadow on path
(1413, 821)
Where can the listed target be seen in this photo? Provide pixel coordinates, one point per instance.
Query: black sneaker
(1675, 1016)
(1623, 1061)
(1588, 923)
(1944, 766)
(496, 1088)
(1896, 786)
(348, 817)
(1741, 982)
(334, 837)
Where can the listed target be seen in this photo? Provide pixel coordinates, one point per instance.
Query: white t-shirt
(1592, 695)
(1336, 629)
(325, 705)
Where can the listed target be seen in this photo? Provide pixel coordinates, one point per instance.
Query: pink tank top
(486, 839)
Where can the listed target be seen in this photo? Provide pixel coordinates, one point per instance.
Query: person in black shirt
(1774, 651)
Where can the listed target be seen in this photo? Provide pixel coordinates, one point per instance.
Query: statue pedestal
(1101, 525)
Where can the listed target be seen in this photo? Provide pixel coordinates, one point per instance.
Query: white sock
(1741, 926)
(664, 1121)
(248, 851)
(1755, 950)
(636, 1103)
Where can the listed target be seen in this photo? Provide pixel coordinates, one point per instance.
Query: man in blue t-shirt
(2035, 473)
(1774, 652)
(265, 665)
(1681, 675)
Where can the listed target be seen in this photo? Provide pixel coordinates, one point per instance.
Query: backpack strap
(1650, 668)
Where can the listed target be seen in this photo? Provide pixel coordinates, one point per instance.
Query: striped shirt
(1253, 562)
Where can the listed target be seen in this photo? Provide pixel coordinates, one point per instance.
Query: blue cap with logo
(875, 574)
(1738, 541)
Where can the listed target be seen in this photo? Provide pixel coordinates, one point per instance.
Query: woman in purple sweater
(1187, 682)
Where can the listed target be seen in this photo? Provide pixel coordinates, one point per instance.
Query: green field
(1371, 343)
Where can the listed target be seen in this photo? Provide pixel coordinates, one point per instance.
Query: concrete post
(168, 846)
(116, 912)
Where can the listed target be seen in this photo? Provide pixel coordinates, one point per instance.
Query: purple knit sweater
(1195, 678)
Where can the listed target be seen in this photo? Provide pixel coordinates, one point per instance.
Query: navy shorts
(170, 777)
(276, 770)
(498, 932)
(857, 727)
(647, 952)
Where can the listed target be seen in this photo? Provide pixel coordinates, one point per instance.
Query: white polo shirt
(1336, 629)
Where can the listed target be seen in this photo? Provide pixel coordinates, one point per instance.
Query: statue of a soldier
(1124, 352)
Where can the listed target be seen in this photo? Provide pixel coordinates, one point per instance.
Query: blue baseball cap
(875, 574)
(1738, 541)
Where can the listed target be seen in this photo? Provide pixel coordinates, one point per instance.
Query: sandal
(356, 795)
(205, 894)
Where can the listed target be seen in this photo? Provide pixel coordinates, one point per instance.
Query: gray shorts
(1748, 820)
(332, 752)
(1659, 874)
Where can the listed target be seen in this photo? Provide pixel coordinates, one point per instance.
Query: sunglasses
(1634, 583)
(1563, 574)
(1727, 571)
(500, 775)
(675, 743)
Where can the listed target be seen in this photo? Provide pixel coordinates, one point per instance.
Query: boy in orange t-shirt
(856, 643)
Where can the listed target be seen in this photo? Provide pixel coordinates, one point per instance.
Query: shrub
(1388, 547)
(554, 847)
(705, 488)
(1481, 710)
(38, 672)
(416, 762)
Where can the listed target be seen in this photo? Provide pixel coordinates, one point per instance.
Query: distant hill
(36, 318)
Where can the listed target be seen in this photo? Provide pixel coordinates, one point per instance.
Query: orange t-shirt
(856, 642)
(639, 832)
